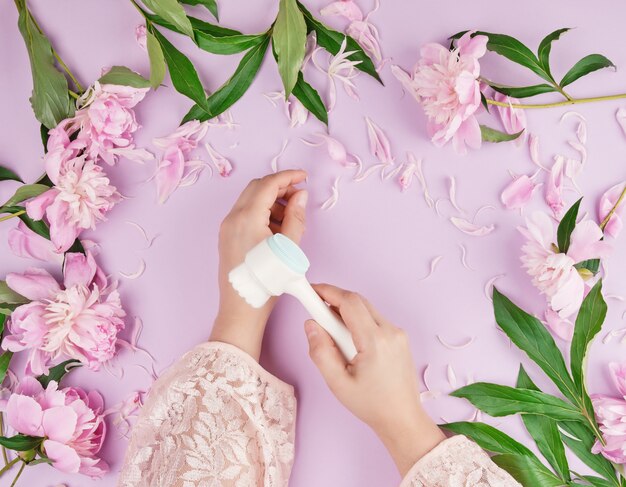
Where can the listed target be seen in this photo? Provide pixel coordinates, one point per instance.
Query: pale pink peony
(513, 119)
(553, 273)
(607, 202)
(176, 169)
(106, 123)
(80, 320)
(80, 198)
(611, 416)
(70, 419)
(446, 84)
(23, 242)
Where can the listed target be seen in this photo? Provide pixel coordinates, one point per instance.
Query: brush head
(268, 269)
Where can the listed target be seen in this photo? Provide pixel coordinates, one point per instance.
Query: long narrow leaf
(172, 12)
(586, 65)
(523, 91)
(288, 41)
(566, 227)
(121, 75)
(211, 6)
(488, 438)
(227, 44)
(157, 61)
(528, 472)
(545, 46)
(8, 296)
(310, 99)
(7, 175)
(581, 446)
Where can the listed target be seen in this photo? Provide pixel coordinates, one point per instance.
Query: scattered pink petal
(554, 187)
(451, 376)
(274, 97)
(464, 258)
(295, 111)
(613, 334)
(346, 8)
(420, 176)
(390, 174)
(452, 194)
(224, 120)
(274, 161)
(406, 178)
(223, 165)
(379, 143)
(616, 297)
(481, 209)
(143, 233)
(334, 197)
(620, 115)
(471, 228)
(533, 145)
(367, 36)
(461, 346)
(489, 285)
(577, 146)
(340, 68)
(309, 48)
(518, 193)
(513, 119)
(581, 132)
(138, 273)
(368, 172)
(141, 35)
(570, 114)
(607, 202)
(433, 265)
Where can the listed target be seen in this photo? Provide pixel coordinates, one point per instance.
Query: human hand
(379, 386)
(256, 215)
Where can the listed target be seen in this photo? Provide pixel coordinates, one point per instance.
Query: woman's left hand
(256, 214)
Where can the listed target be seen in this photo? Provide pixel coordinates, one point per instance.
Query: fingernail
(310, 329)
(301, 198)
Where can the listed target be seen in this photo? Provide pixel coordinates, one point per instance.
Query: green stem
(4, 450)
(19, 472)
(9, 465)
(73, 94)
(572, 101)
(143, 14)
(12, 215)
(607, 218)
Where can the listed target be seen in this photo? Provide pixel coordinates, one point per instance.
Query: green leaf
(231, 44)
(234, 88)
(43, 130)
(21, 442)
(582, 445)
(586, 65)
(3, 319)
(121, 75)
(6, 310)
(588, 324)
(8, 296)
(198, 25)
(57, 372)
(310, 99)
(545, 46)
(497, 400)
(527, 471)
(531, 336)
(598, 482)
(592, 265)
(50, 99)
(173, 12)
(492, 135)
(157, 61)
(483, 101)
(26, 192)
(77, 247)
(37, 226)
(5, 360)
(288, 40)
(566, 227)
(331, 41)
(523, 91)
(488, 438)
(182, 72)
(8, 175)
(515, 51)
(545, 432)
(211, 6)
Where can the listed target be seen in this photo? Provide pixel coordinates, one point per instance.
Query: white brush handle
(327, 318)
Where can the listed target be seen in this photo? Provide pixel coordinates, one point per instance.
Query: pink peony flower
(80, 197)
(552, 272)
(23, 242)
(446, 84)
(70, 419)
(611, 416)
(513, 119)
(175, 168)
(107, 123)
(80, 320)
(518, 192)
(346, 8)
(607, 202)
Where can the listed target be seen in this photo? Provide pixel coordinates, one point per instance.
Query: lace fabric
(216, 418)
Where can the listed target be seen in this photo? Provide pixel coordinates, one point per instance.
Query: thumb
(295, 216)
(325, 354)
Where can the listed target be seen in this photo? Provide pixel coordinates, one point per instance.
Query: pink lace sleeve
(214, 418)
(457, 462)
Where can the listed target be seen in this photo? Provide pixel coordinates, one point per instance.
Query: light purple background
(377, 240)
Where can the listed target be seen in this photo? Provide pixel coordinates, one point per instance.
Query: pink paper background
(376, 240)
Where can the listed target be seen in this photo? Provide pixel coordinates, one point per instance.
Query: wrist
(410, 440)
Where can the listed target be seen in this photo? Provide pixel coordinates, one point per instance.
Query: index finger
(353, 311)
(269, 188)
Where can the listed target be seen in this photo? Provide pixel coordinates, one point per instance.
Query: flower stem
(4, 450)
(19, 472)
(571, 101)
(607, 218)
(73, 94)
(9, 465)
(12, 215)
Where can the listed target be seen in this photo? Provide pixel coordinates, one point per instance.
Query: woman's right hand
(379, 385)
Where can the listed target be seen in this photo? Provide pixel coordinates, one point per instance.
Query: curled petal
(346, 8)
(471, 228)
(607, 202)
(223, 165)
(518, 192)
(380, 146)
(169, 173)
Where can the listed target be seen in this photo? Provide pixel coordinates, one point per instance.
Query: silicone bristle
(247, 287)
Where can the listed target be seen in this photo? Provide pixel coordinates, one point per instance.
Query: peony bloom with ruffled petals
(80, 320)
(80, 197)
(446, 84)
(611, 416)
(70, 419)
(553, 272)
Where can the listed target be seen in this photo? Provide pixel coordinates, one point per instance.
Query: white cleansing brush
(277, 266)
